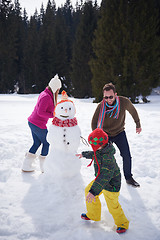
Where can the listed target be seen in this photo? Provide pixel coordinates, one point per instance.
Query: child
(107, 181)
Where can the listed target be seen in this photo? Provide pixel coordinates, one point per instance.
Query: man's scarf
(111, 111)
(66, 123)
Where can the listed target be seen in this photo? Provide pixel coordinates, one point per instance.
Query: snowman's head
(65, 109)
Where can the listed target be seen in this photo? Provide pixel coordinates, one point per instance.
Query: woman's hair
(55, 95)
(108, 87)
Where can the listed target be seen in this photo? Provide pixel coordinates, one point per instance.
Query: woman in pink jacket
(37, 122)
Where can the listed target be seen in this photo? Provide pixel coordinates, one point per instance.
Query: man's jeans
(122, 143)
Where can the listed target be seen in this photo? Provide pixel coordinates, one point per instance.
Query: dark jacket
(110, 177)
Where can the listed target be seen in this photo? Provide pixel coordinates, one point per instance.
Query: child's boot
(121, 230)
(41, 162)
(28, 163)
(84, 217)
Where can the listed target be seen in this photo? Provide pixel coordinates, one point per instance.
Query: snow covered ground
(30, 210)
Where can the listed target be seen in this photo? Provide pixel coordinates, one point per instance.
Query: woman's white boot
(28, 163)
(41, 162)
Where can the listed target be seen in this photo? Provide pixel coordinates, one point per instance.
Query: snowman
(64, 138)
(62, 182)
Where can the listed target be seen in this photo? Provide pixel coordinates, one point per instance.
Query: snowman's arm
(88, 154)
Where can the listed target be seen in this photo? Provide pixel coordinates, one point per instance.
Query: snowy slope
(32, 209)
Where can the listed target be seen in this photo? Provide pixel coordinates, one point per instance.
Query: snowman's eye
(61, 107)
(69, 108)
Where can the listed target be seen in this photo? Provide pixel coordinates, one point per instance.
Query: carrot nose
(66, 110)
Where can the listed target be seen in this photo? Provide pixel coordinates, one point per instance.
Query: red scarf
(66, 123)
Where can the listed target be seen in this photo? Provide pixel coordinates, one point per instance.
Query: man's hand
(90, 197)
(138, 130)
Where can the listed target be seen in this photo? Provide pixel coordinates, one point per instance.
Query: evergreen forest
(86, 45)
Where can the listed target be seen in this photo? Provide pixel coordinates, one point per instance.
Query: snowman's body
(64, 138)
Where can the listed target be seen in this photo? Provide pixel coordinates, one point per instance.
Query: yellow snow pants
(115, 209)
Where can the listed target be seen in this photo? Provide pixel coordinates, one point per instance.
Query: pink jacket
(43, 109)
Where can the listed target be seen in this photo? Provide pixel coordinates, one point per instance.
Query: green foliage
(7, 47)
(32, 52)
(87, 46)
(126, 48)
(82, 52)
